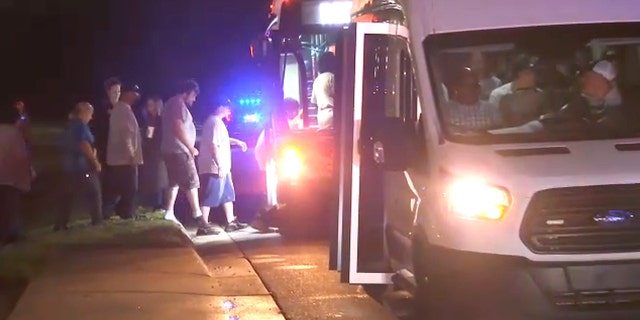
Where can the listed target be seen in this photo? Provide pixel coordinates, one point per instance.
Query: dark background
(57, 51)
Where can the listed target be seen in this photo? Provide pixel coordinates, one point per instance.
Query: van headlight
(475, 199)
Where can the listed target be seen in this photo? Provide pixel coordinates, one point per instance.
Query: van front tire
(425, 307)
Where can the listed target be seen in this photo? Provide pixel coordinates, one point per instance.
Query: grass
(21, 262)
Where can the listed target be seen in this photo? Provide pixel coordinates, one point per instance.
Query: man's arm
(178, 129)
(90, 153)
(237, 142)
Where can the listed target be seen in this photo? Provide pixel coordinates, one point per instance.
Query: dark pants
(121, 196)
(153, 200)
(10, 201)
(80, 186)
(104, 184)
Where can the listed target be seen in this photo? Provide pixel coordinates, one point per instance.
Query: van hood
(549, 165)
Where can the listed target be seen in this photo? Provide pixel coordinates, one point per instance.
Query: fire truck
(439, 193)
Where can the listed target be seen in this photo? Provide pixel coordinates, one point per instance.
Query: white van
(533, 219)
(525, 206)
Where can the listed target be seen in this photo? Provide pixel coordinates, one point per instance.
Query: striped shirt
(481, 116)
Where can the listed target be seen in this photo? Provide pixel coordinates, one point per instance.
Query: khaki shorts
(181, 171)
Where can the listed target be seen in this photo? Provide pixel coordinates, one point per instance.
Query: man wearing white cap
(599, 86)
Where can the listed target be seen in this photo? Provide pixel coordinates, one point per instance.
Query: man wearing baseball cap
(124, 155)
(524, 78)
(214, 165)
(600, 99)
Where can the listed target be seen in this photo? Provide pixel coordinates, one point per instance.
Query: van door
(368, 93)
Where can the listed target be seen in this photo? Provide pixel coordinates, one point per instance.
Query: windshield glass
(555, 83)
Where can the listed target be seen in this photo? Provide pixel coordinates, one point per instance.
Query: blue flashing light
(250, 101)
(251, 118)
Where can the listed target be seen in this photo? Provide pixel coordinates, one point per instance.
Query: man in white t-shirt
(214, 164)
(323, 91)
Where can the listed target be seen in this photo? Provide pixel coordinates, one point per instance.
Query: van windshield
(535, 84)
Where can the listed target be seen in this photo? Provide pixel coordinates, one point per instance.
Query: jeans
(10, 205)
(77, 186)
(122, 193)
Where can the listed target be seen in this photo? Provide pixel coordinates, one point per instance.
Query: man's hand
(223, 173)
(242, 145)
(97, 166)
(194, 151)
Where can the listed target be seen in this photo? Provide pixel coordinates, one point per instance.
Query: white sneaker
(170, 216)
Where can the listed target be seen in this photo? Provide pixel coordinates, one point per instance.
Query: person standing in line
(100, 128)
(215, 167)
(153, 174)
(124, 155)
(81, 168)
(15, 175)
(100, 124)
(179, 152)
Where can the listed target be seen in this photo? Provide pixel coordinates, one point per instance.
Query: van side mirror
(395, 148)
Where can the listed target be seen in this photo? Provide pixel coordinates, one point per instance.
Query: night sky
(58, 51)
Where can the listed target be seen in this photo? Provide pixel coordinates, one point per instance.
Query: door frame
(349, 171)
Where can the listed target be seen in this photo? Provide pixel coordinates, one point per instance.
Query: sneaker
(235, 226)
(201, 222)
(207, 231)
(260, 225)
(170, 216)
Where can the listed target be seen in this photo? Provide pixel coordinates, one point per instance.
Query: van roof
(445, 16)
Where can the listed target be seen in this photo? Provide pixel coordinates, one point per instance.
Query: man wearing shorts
(179, 152)
(215, 166)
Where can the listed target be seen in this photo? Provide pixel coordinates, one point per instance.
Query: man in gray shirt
(179, 152)
(124, 155)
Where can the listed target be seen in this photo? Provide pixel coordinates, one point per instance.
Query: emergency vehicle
(300, 177)
(536, 220)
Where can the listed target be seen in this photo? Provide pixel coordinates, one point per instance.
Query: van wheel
(425, 307)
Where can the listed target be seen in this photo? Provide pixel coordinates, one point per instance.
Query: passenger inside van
(600, 86)
(465, 110)
(488, 80)
(520, 100)
(599, 104)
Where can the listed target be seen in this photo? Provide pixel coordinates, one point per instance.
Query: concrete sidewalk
(146, 283)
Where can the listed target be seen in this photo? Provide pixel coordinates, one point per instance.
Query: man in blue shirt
(81, 168)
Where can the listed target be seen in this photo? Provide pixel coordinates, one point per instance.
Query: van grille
(593, 219)
(598, 299)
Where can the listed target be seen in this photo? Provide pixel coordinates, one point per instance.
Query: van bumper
(495, 286)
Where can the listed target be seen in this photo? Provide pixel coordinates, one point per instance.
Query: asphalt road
(297, 275)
